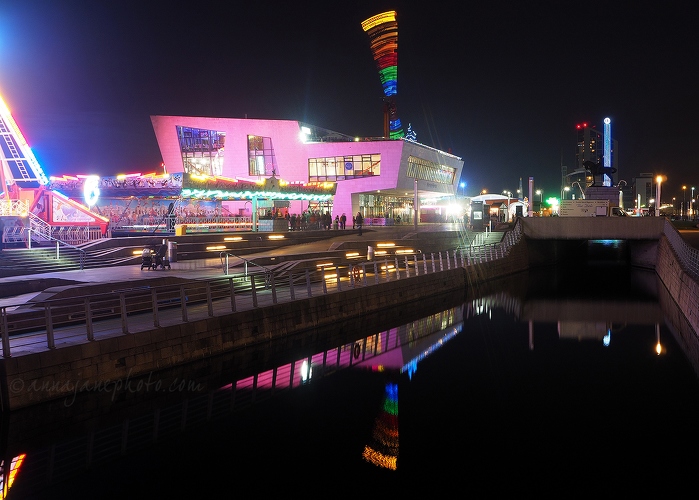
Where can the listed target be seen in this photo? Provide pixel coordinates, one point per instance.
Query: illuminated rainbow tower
(383, 35)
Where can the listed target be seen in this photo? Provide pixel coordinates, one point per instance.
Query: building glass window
(421, 169)
(340, 168)
(261, 159)
(202, 150)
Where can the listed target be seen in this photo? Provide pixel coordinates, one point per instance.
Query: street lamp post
(684, 202)
(691, 203)
(564, 190)
(540, 192)
(509, 195)
(658, 203)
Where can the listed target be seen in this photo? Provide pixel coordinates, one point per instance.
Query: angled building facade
(378, 177)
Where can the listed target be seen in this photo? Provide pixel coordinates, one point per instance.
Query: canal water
(562, 382)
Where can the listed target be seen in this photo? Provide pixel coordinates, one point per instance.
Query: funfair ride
(28, 211)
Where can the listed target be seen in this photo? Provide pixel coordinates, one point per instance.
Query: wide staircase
(25, 261)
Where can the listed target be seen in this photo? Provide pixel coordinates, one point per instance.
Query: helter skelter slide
(383, 35)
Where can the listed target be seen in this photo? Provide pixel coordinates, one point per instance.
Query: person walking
(359, 219)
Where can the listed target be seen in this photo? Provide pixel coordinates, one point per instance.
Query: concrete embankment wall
(685, 292)
(58, 373)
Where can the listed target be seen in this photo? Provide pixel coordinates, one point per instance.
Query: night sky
(500, 84)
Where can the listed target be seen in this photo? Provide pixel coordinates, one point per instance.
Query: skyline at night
(501, 85)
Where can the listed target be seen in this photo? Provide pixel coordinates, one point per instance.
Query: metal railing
(225, 256)
(128, 310)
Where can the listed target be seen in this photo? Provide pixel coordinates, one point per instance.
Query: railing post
(209, 302)
(322, 278)
(154, 305)
(183, 303)
(57, 251)
(88, 320)
(364, 273)
(5, 334)
(49, 326)
(254, 290)
(433, 268)
(292, 294)
(376, 274)
(308, 283)
(441, 263)
(122, 306)
(337, 276)
(397, 269)
(407, 266)
(274, 288)
(424, 263)
(232, 288)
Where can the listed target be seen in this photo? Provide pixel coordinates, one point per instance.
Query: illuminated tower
(383, 35)
(607, 181)
(19, 168)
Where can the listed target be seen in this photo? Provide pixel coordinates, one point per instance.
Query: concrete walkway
(214, 267)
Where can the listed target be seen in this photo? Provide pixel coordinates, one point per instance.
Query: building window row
(421, 169)
(339, 168)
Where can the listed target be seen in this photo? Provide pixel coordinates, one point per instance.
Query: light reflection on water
(548, 379)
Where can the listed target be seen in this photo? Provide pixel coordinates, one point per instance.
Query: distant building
(643, 190)
(589, 147)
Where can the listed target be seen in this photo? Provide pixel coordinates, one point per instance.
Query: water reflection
(521, 380)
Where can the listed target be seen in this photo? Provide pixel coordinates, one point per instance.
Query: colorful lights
(21, 154)
(10, 475)
(91, 190)
(383, 451)
(383, 36)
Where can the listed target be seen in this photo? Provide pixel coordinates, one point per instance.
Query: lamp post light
(691, 203)
(684, 203)
(540, 192)
(564, 190)
(658, 203)
(509, 195)
(673, 207)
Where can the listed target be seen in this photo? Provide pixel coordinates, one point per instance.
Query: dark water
(545, 383)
